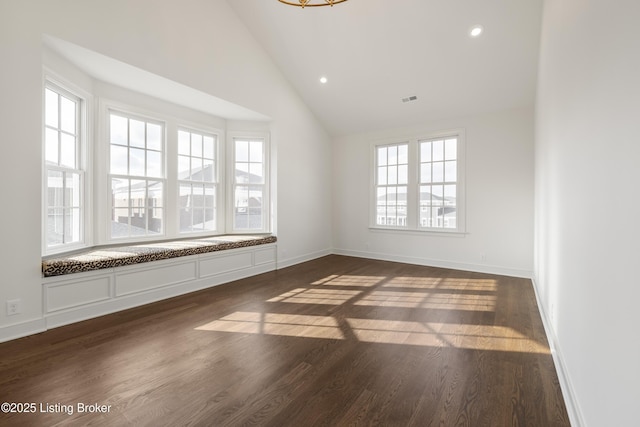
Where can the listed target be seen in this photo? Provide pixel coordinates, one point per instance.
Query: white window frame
(413, 186)
(83, 100)
(232, 184)
(131, 115)
(217, 183)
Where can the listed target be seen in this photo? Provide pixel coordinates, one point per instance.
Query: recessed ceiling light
(323, 80)
(475, 31)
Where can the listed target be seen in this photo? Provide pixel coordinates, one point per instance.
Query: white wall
(199, 43)
(587, 175)
(499, 188)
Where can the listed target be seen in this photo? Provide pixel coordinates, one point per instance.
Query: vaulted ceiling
(376, 52)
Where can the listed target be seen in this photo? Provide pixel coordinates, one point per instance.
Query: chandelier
(311, 3)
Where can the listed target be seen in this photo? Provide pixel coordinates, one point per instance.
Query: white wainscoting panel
(156, 275)
(215, 265)
(265, 256)
(73, 294)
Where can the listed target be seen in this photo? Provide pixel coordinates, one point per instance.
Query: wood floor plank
(331, 342)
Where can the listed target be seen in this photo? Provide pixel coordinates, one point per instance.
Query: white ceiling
(376, 52)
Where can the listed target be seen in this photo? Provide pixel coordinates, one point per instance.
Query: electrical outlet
(483, 257)
(14, 306)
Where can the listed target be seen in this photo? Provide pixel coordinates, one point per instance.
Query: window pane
(403, 174)
(118, 130)
(450, 171)
(51, 146)
(198, 196)
(208, 174)
(255, 207)
(196, 169)
(72, 225)
(438, 172)
(425, 195)
(382, 175)
(438, 150)
(184, 144)
(186, 211)
(210, 219)
(138, 211)
(255, 173)
(425, 172)
(437, 195)
(119, 160)
(381, 197)
(55, 227)
(450, 217)
(403, 154)
(120, 223)
(55, 190)
(67, 115)
(67, 150)
(450, 194)
(136, 133)
(136, 162)
(242, 151)
(120, 215)
(392, 177)
(451, 149)
(156, 194)
(392, 155)
(382, 156)
(248, 207)
(51, 108)
(242, 173)
(210, 197)
(434, 217)
(154, 136)
(155, 211)
(183, 167)
(72, 193)
(154, 164)
(196, 145)
(425, 152)
(241, 207)
(401, 206)
(255, 151)
(208, 147)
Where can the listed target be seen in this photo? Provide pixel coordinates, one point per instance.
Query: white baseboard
(568, 392)
(23, 329)
(479, 268)
(304, 258)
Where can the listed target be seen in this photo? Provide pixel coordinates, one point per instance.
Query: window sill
(418, 232)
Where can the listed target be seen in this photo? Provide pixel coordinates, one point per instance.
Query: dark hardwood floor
(332, 342)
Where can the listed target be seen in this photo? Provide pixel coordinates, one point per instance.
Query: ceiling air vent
(409, 98)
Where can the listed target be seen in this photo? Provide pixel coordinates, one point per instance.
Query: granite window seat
(117, 256)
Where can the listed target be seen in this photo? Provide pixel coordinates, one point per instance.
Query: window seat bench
(117, 256)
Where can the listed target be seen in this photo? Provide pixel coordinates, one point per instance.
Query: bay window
(154, 175)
